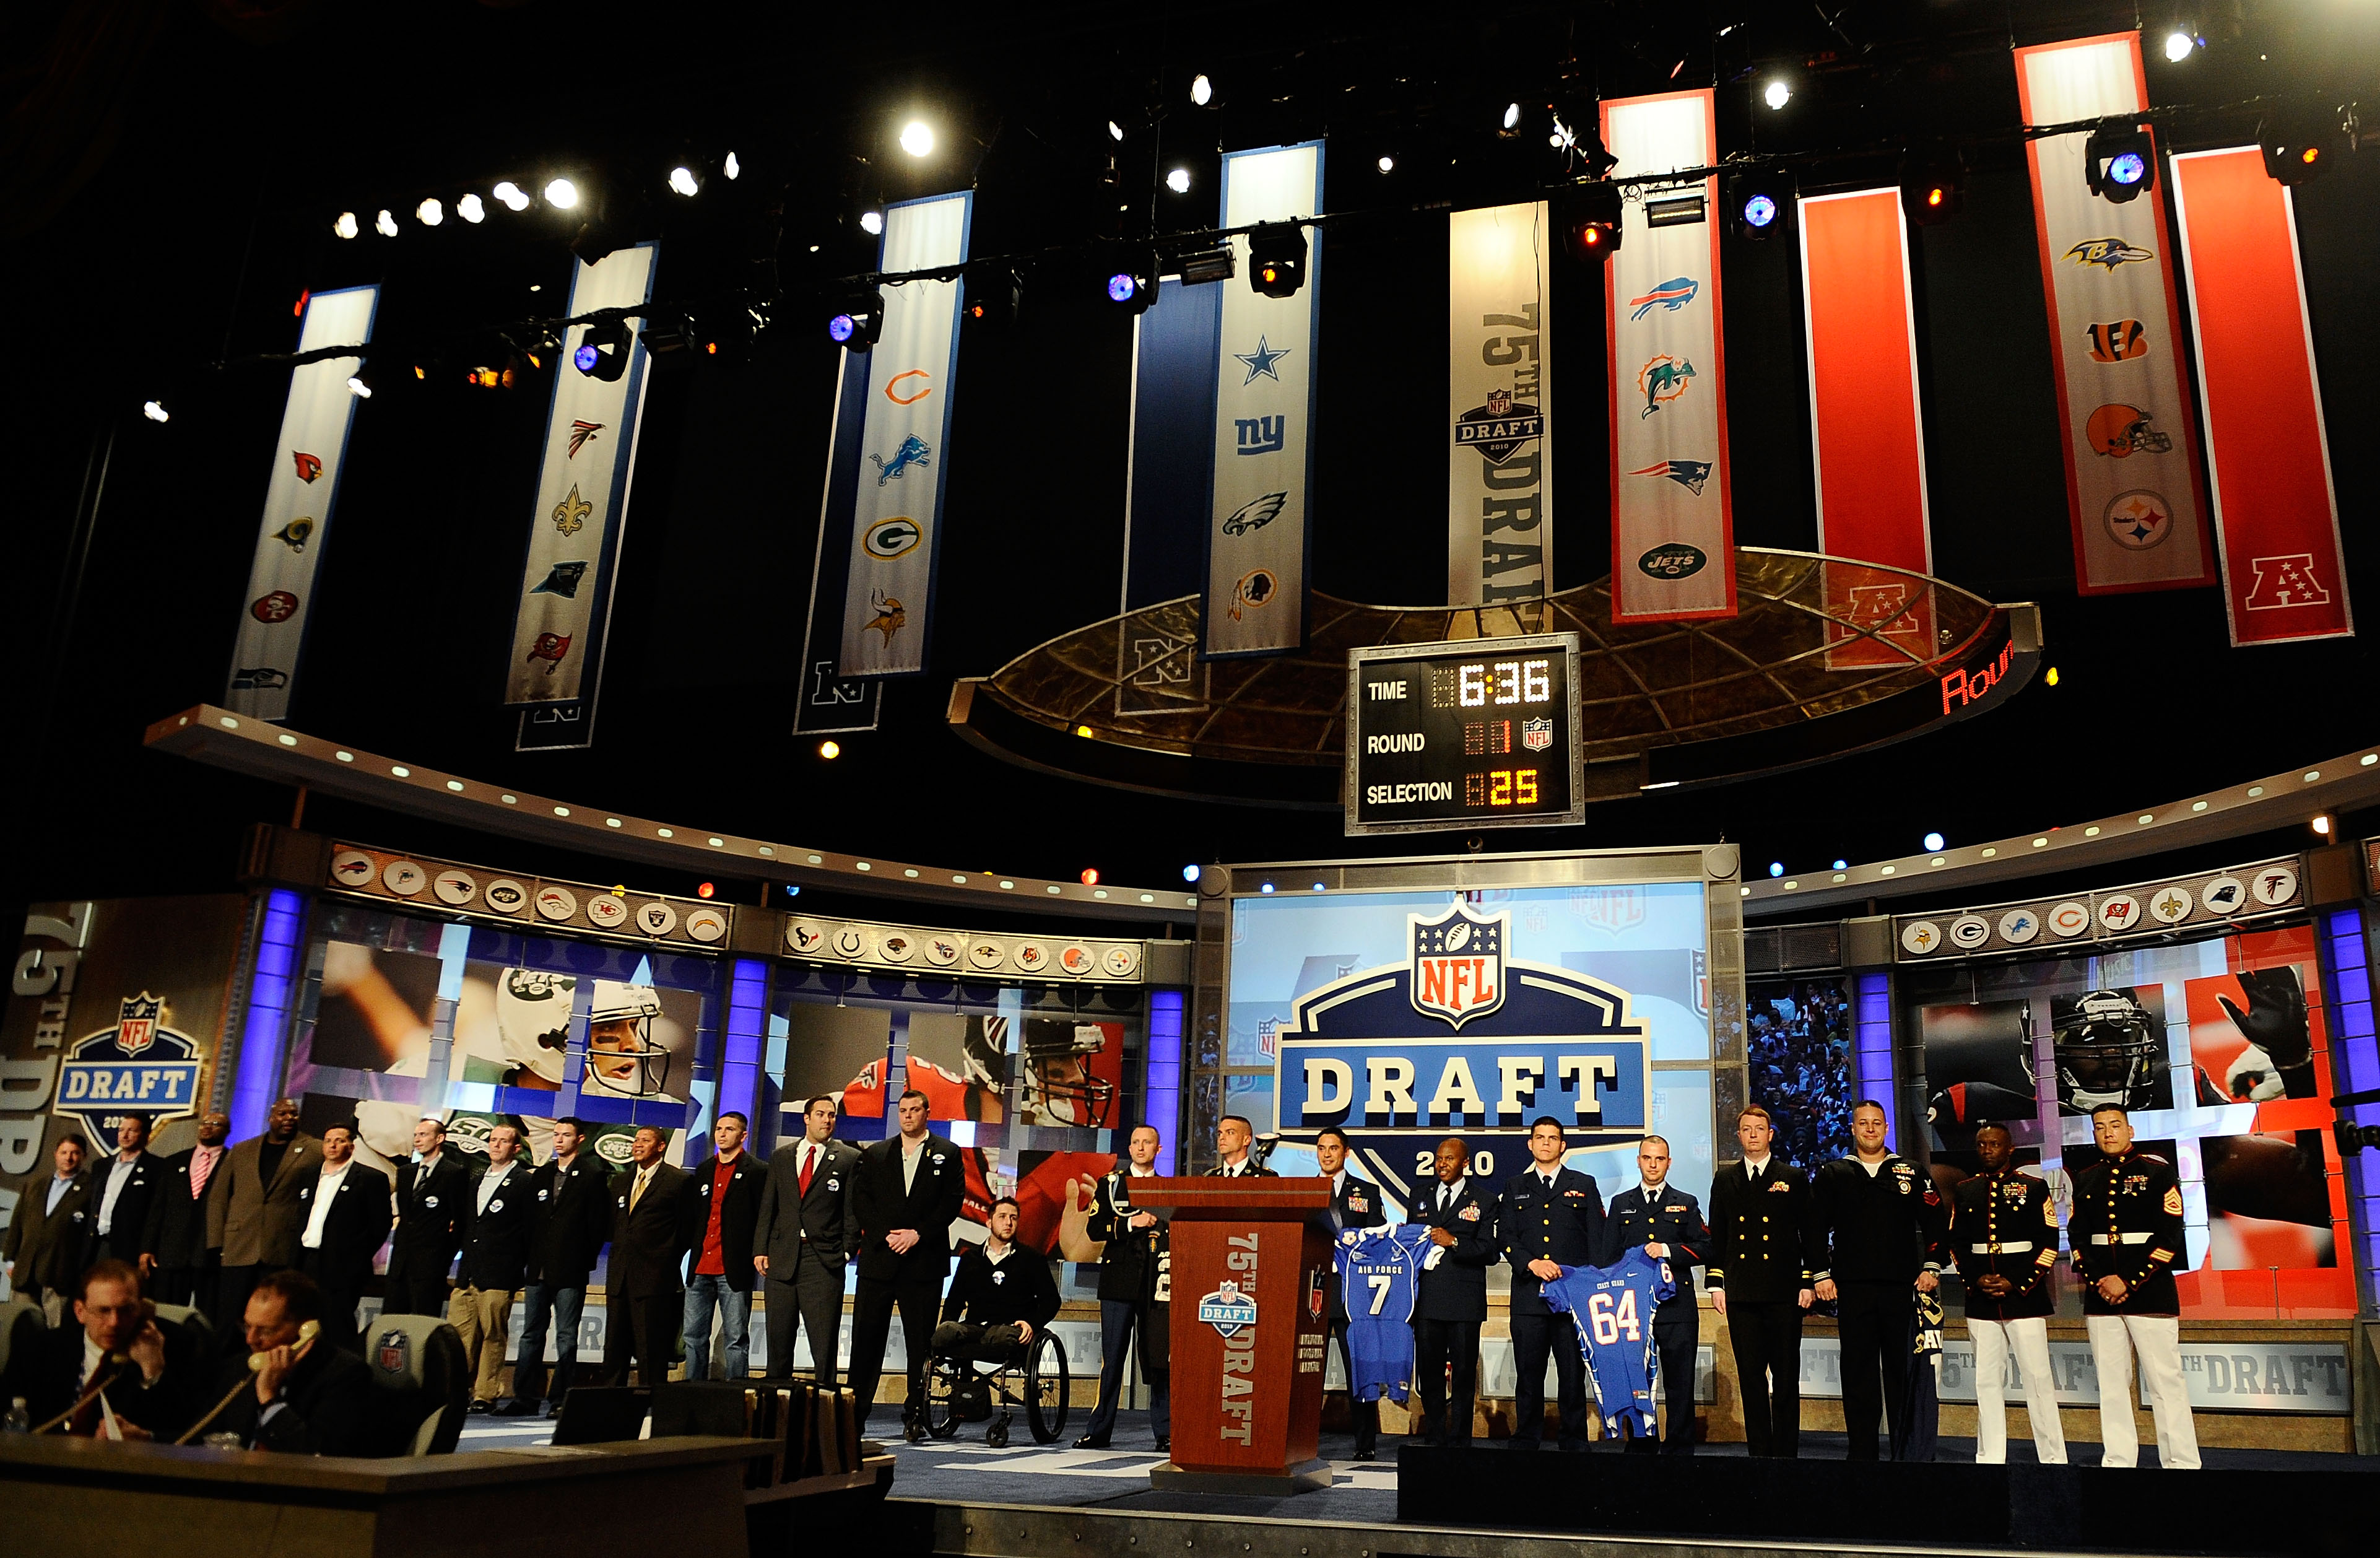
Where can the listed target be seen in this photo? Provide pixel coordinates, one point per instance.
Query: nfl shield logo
(1315, 1293)
(395, 1352)
(1537, 735)
(1612, 911)
(136, 1022)
(1458, 963)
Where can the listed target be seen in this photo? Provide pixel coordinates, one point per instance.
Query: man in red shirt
(727, 1187)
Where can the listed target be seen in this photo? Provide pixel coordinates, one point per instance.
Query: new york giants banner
(1500, 466)
(1672, 523)
(2131, 460)
(2276, 511)
(304, 488)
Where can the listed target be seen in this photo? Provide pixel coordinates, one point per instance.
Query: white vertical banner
(306, 467)
(1499, 467)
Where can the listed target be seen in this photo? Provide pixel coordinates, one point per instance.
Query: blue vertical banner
(830, 702)
(1169, 485)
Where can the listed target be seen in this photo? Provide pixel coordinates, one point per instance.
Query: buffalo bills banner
(1500, 467)
(307, 466)
(1169, 477)
(1672, 524)
(1264, 418)
(2276, 510)
(2131, 461)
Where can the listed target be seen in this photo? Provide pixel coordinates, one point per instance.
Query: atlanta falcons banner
(2276, 510)
(307, 465)
(2131, 464)
(1672, 524)
(1500, 467)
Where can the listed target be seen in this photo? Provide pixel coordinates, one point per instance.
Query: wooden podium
(1251, 1262)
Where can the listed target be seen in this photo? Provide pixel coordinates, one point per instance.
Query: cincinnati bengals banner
(1500, 467)
(2131, 460)
(304, 488)
(2276, 510)
(1672, 524)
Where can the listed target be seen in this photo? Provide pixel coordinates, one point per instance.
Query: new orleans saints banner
(2131, 467)
(1672, 523)
(1500, 467)
(307, 465)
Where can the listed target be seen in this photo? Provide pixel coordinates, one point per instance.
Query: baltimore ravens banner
(2276, 510)
(2131, 468)
(307, 465)
(1264, 414)
(1672, 523)
(1499, 468)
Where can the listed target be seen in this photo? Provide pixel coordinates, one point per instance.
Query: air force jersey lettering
(1613, 1306)
(1378, 1268)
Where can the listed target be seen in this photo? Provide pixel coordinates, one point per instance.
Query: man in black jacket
(431, 1193)
(1759, 1280)
(1131, 1301)
(570, 1220)
(1879, 1244)
(802, 1239)
(345, 1204)
(1667, 1223)
(644, 1286)
(305, 1399)
(40, 1250)
(1451, 1297)
(1354, 1203)
(152, 1371)
(174, 1244)
(123, 1187)
(1002, 1296)
(1235, 1157)
(727, 1189)
(1552, 1217)
(496, 1218)
(910, 1190)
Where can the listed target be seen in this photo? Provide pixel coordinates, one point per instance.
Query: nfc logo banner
(1596, 1084)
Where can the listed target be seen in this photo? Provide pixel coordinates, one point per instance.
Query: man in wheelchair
(999, 1305)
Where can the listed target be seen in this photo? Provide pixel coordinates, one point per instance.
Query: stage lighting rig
(853, 322)
(1587, 217)
(993, 297)
(1759, 205)
(1933, 184)
(1277, 258)
(2119, 162)
(602, 351)
(471, 209)
(1128, 272)
(346, 225)
(2300, 144)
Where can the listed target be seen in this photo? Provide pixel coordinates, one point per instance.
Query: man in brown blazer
(41, 1250)
(254, 1214)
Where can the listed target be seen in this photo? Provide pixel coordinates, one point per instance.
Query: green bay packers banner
(307, 466)
(1500, 467)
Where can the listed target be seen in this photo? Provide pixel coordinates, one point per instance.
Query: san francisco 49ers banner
(2276, 511)
(1672, 523)
(1500, 467)
(2131, 461)
(307, 465)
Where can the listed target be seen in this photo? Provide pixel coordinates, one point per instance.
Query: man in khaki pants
(495, 1261)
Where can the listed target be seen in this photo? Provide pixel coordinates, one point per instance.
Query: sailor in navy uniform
(1667, 1223)
(1552, 1217)
(1354, 1203)
(1760, 1281)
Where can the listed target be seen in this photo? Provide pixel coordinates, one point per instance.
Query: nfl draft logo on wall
(1458, 965)
(140, 1066)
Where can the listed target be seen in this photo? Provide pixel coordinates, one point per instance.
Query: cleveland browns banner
(307, 465)
(1672, 524)
(1499, 468)
(2131, 460)
(2276, 511)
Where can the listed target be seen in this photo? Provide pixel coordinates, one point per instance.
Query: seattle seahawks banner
(1499, 468)
(1672, 522)
(307, 466)
(2131, 467)
(2276, 510)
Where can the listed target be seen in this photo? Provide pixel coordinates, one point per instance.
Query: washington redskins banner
(1500, 466)
(2131, 460)
(307, 466)
(2276, 510)
(1672, 524)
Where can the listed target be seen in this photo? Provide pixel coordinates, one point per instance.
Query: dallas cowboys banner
(1672, 521)
(1500, 466)
(307, 466)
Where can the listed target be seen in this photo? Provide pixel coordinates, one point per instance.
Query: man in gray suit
(254, 1214)
(802, 1241)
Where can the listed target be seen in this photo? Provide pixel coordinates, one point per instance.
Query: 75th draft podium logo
(138, 1067)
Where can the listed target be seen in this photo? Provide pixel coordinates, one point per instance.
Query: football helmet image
(1060, 1087)
(622, 1056)
(2124, 430)
(533, 1019)
(2108, 1048)
(986, 1054)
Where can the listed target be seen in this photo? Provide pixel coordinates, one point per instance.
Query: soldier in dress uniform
(1669, 1223)
(2127, 1237)
(1553, 1218)
(1354, 1203)
(2004, 1235)
(1760, 1283)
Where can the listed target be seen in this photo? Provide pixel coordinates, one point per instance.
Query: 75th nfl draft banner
(1499, 468)
(307, 466)
(1672, 522)
(2131, 461)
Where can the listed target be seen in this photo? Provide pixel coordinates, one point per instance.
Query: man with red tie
(801, 1241)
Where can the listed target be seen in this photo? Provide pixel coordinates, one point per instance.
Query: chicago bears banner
(2276, 511)
(2131, 461)
(1672, 524)
(307, 465)
(1499, 468)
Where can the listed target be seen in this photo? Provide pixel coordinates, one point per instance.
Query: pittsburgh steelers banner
(307, 465)
(2276, 511)
(2131, 461)
(1499, 468)
(1264, 414)
(1672, 525)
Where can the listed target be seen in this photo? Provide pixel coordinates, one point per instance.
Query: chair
(964, 1387)
(423, 1385)
(16, 1313)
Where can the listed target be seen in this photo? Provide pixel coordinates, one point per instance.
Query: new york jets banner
(307, 466)
(2131, 460)
(1499, 468)
(1672, 523)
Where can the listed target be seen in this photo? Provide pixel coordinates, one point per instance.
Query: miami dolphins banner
(2276, 510)
(1672, 523)
(304, 488)
(1499, 464)
(2132, 456)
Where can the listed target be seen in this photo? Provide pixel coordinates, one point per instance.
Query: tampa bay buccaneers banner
(307, 465)
(1500, 467)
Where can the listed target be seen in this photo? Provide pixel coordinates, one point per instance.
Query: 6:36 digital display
(1476, 734)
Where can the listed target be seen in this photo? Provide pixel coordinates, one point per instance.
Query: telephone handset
(306, 1334)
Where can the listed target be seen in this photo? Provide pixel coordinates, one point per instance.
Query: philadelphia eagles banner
(1500, 467)
(307, 466)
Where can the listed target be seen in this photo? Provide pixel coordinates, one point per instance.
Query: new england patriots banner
(307, 466)
(2131, 461)
(1672, 522)
(2276, 510)
(1500, 467)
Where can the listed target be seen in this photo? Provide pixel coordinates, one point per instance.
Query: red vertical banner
(2276, 511)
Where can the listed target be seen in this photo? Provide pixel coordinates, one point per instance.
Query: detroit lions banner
(2131, 461)
(1500, 467)
(1672, 523)
(304, 488)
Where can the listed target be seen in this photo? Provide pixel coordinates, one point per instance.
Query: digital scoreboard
(1481, 733)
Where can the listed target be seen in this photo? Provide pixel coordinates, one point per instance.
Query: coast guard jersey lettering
(1613, 1306)
(1378, 1269)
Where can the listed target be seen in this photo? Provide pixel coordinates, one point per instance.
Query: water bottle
(19, 1421)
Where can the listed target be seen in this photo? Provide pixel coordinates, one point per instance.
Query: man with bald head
(253, 1215)
(1450, 1296)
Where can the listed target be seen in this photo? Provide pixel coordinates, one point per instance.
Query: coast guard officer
(1669, 1223)
(1553, 1218)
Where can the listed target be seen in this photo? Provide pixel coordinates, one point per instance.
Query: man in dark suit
(151, 1369)
(122, 1188)
(495, 1260)
(1234, 1157)
(910, 1188)
(41, 1250)
(1354, 1203)
(802, 1238)
(1667, 1223)
(346, 1222)
(434, 1194)
(1760, 1281)
(727, 1189)
(306, 1398)
(1451, 1297)
(568, 1226)
(1131, 1298)
(173, 1249)
(253, 1217)
(1552, 1217)
(652, 1207)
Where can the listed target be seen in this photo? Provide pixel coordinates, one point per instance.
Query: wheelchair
(966, 1389)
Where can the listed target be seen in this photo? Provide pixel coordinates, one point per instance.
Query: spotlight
(1587, 216)
(560, 194)
(2321, 826)
(1277, 258)
(1511, 116)
(1843, 865)
(1090, 876)
(1758, 206)
(1202, 92)
(685, 181)
(1777, 867)
(1130, 277)
(359, 386)
(155, 411)
(871, 223)
(705, 890)
(731, 167)
(2297, 145)
(2118, 162)
(993, 299)
(1264, 888)
(1933, 844)
(1778, 95)
(1178, 181)
(1387, 164)
(347, 226)
(384, 224)
(470, 209)
(430, 212)
(1115, 132)
(856, 320)
(512, 194)
(1933, 184)
(793, 889)
(2050, 678)
(918, 138)
(1189, 873)
(604, 350)
(2178, 44)
(830, 749)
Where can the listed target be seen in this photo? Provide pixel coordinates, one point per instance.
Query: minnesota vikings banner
(2276, 511)
(2131, 464)
(1672, 524)
(307, 465)
(1499, 468)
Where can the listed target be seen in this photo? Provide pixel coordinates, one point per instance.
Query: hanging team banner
(830, 702)
(1672, 523)
(2276, 510)
(2131, 460)
(1169, 480)
(1500, 467)
(307, 466)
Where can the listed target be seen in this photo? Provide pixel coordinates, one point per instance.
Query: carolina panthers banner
(1672, 520)
(2131, 463)
(1500, 466)
(307, 466)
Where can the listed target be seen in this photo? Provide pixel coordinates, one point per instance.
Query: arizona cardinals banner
(2131, 468)
(1672, 523)
(1500, 467)
(2276, 511)
(307, 465)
